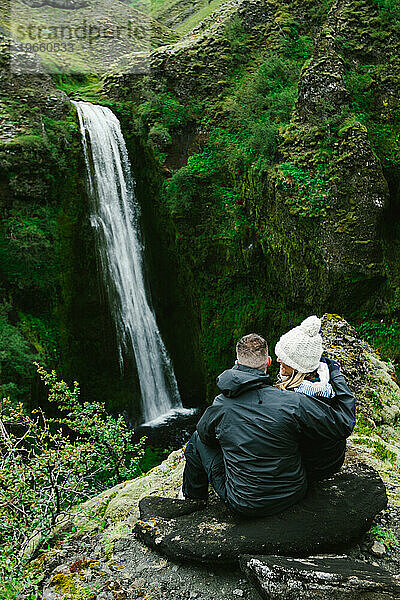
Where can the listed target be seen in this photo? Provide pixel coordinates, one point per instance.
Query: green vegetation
(29, 247)
(211, 200)
(175, 13)
(16, 357)
(385, 535)
(380, 449)
(48, 465)
(385, 336)
(390, 9)
(313, 196)
(84, 87)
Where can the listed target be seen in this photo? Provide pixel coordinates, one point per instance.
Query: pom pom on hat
(301, 347)
(311, 325)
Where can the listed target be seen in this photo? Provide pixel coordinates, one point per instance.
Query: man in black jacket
(247, 442)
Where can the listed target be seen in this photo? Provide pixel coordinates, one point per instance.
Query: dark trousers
(203, 465)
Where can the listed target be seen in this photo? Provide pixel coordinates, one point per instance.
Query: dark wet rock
(322, 80)
(168, 508)
(319, 578)
(334, 513)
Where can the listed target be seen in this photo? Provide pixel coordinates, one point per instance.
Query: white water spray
(114, 215)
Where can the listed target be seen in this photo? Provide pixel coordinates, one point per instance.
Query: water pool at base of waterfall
(171, 415)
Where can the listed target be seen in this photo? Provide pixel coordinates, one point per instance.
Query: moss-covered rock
(100, 539)
(376, 439)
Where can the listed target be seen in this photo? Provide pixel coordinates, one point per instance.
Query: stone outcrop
(104, 551)
(376, 438)
(319, 578)
(346, 186)
(376, 433)
(334, 513)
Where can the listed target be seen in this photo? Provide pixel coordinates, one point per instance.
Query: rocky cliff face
(283, 145)
(266, 155)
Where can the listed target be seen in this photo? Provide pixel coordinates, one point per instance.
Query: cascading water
(114, 215)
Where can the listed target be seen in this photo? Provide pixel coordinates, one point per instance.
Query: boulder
(334, 513)
(319, 578)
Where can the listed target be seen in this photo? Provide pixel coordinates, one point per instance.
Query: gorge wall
(276, 126)
(264, 144)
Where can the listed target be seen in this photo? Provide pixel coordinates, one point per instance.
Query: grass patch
(380, 450)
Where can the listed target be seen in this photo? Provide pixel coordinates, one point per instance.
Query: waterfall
(115, 218)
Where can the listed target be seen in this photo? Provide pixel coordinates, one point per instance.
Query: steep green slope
(280, 149)
(92, 38)
(181, 15)
(265, 147)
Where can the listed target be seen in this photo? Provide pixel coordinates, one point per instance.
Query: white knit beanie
(301, 347)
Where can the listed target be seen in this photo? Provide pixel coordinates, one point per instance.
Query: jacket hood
(241, 379)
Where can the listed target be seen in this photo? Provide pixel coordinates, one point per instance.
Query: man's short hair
(252, 351)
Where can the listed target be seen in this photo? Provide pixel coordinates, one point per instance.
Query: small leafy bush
(385, 535)
(49, 465)
(116, 456)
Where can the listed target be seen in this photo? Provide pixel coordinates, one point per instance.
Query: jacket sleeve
(318, 419)
(209, 422)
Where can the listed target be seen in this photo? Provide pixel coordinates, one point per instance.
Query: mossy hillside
(220, 200)
(277, 192)
(34, 141)
(180, 15)
(373, 79)
(201, 64)
(376, 437)
(89, 39)
(368, 40)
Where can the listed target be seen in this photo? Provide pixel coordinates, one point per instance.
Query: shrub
(48, 465)
(385, 535)
(116, 456)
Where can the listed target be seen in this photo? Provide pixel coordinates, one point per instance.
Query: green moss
(331, 317)
(312, 196)
(85, 87)
(64, 583)
(380, 449)
(72, 587)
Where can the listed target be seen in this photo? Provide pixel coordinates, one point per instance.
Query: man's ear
(269, 361)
